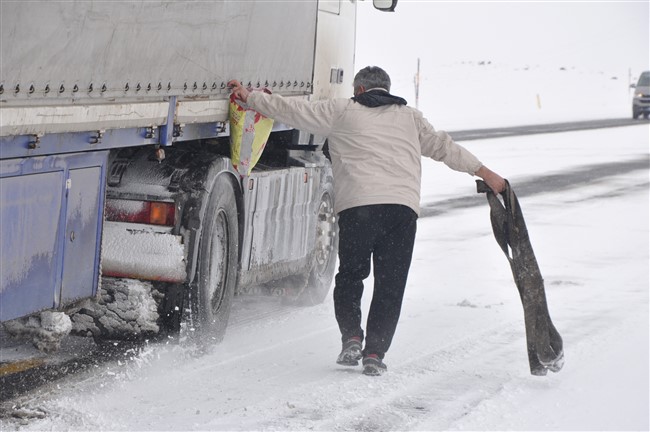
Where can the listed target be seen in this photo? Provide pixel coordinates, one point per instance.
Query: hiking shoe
(373, 365)
(538, 370)
(556, 364)
(351, 352)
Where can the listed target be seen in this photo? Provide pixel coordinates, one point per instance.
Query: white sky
(611, 37)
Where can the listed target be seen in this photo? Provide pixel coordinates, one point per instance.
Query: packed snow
(46, 329)
(127, 308)
(458, 360)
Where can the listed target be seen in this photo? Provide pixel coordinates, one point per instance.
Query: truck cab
(641, 99)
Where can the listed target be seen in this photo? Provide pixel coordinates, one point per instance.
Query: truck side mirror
(385, 5)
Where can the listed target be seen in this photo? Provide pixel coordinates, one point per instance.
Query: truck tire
(211, 295)
(319, 277)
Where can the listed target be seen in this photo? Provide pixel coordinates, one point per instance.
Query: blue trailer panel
(50, 214)
(29, 216)
(82, 234)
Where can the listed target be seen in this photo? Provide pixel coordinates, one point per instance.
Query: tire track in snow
(438, 388)
(440, 382)
(577, 178)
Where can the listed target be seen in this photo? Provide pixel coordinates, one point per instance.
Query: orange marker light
(159, 213)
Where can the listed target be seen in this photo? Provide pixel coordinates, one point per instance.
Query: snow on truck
(119, 204)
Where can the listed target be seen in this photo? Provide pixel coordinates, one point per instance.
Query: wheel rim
(219, 253)
(325, 234)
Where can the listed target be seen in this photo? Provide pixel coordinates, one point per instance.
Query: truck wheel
(216, 278)
(319, 279)
(635, 113)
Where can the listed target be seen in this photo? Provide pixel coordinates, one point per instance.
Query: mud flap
(545, 347)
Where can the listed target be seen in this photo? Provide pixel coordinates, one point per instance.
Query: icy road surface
(458, 360)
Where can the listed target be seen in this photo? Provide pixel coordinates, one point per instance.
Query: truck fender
(195, 208)
(186, 175)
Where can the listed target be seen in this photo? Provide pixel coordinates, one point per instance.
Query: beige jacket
(375, 152)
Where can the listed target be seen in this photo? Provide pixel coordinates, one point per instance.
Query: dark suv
(641, 101)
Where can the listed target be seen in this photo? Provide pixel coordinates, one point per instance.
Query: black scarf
(377, 98)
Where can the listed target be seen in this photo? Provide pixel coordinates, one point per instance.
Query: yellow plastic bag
(249, 131)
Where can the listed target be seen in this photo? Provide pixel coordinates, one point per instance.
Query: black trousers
(387, 233)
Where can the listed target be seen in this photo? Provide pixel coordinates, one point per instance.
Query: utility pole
(416, 81)
(629, 80)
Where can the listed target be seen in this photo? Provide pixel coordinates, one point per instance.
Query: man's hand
(493, 180)
(239, 90)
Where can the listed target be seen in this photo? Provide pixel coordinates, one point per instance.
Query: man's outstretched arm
(314, 117)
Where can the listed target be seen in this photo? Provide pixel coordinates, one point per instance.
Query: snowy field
(475, 94)
(489, 63)
(458, 361)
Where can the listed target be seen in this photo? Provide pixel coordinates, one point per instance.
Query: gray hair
(372, 77)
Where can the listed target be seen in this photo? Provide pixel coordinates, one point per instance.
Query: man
(375, 143)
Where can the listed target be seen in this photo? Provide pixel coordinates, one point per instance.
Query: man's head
(370, 77)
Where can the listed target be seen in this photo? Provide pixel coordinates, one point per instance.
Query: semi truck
(115, 169)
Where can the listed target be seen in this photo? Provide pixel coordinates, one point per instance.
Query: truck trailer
(115, 165)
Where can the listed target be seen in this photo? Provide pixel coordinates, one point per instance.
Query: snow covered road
(458, 360)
